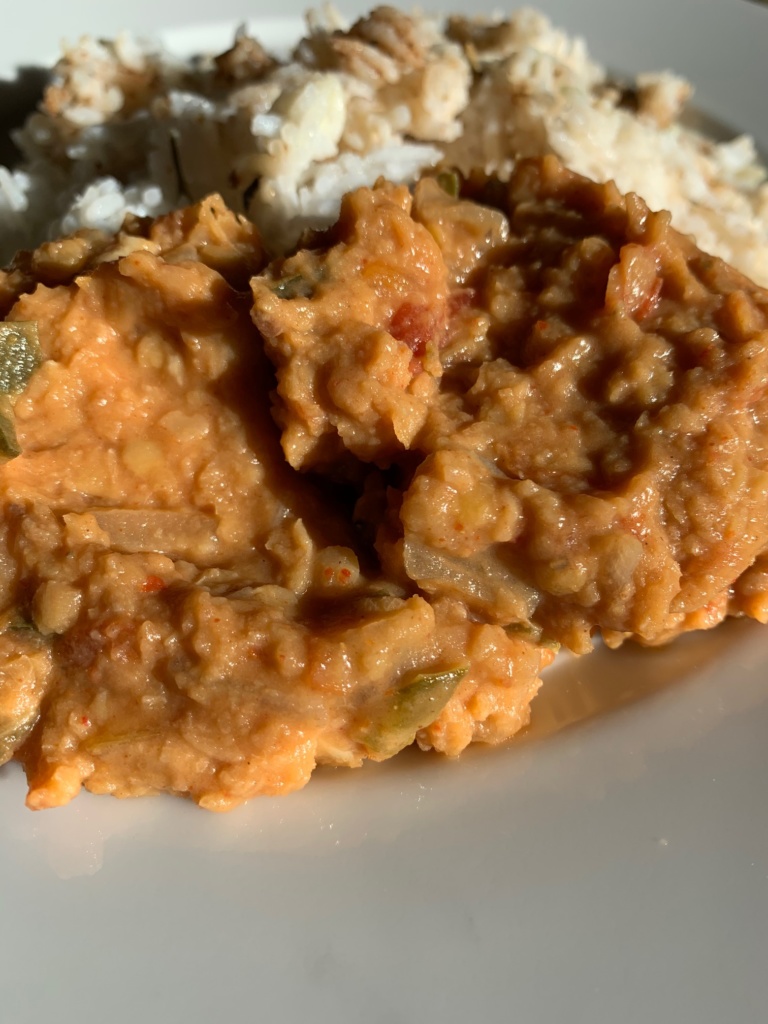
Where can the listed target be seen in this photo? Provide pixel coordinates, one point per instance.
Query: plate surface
(612, 865)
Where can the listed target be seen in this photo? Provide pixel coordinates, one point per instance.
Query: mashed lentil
(587, 410)
(180, 610)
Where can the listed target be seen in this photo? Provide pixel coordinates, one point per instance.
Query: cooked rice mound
(125, 126)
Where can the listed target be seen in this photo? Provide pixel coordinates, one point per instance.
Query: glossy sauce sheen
(181, 610)
(587, 425)
(266, 516)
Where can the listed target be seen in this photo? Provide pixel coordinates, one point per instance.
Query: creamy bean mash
(180, 609)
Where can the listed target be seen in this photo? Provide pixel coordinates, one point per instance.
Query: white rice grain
(126, 127)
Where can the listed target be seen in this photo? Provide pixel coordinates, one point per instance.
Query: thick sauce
(592, 450)
(181, 610)
(264, 517)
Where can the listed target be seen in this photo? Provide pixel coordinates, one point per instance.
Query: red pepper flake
(152, 584)
(415, 324)
(461, 298)
(650, 300)
(345, 574)
(85, 720)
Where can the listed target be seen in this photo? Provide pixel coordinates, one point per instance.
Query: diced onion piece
(177, 533)
(485, 582)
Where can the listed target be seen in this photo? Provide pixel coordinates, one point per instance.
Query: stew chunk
(592, 453)
(180, 610)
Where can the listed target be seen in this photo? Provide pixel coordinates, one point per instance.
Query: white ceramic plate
(612, 866)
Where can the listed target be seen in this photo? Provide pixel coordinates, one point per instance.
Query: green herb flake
(19, 624)
(450, 182)
(526, 630)
(297, 287)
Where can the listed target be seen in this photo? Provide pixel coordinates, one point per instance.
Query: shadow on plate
(576, 690)
(377, 805)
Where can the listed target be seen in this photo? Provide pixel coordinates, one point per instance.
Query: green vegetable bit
(20, 356)
(415, 706)
(9, 446)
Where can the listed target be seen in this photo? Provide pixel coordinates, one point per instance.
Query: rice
(126, 126)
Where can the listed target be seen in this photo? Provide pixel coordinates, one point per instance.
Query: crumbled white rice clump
(126, 127)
